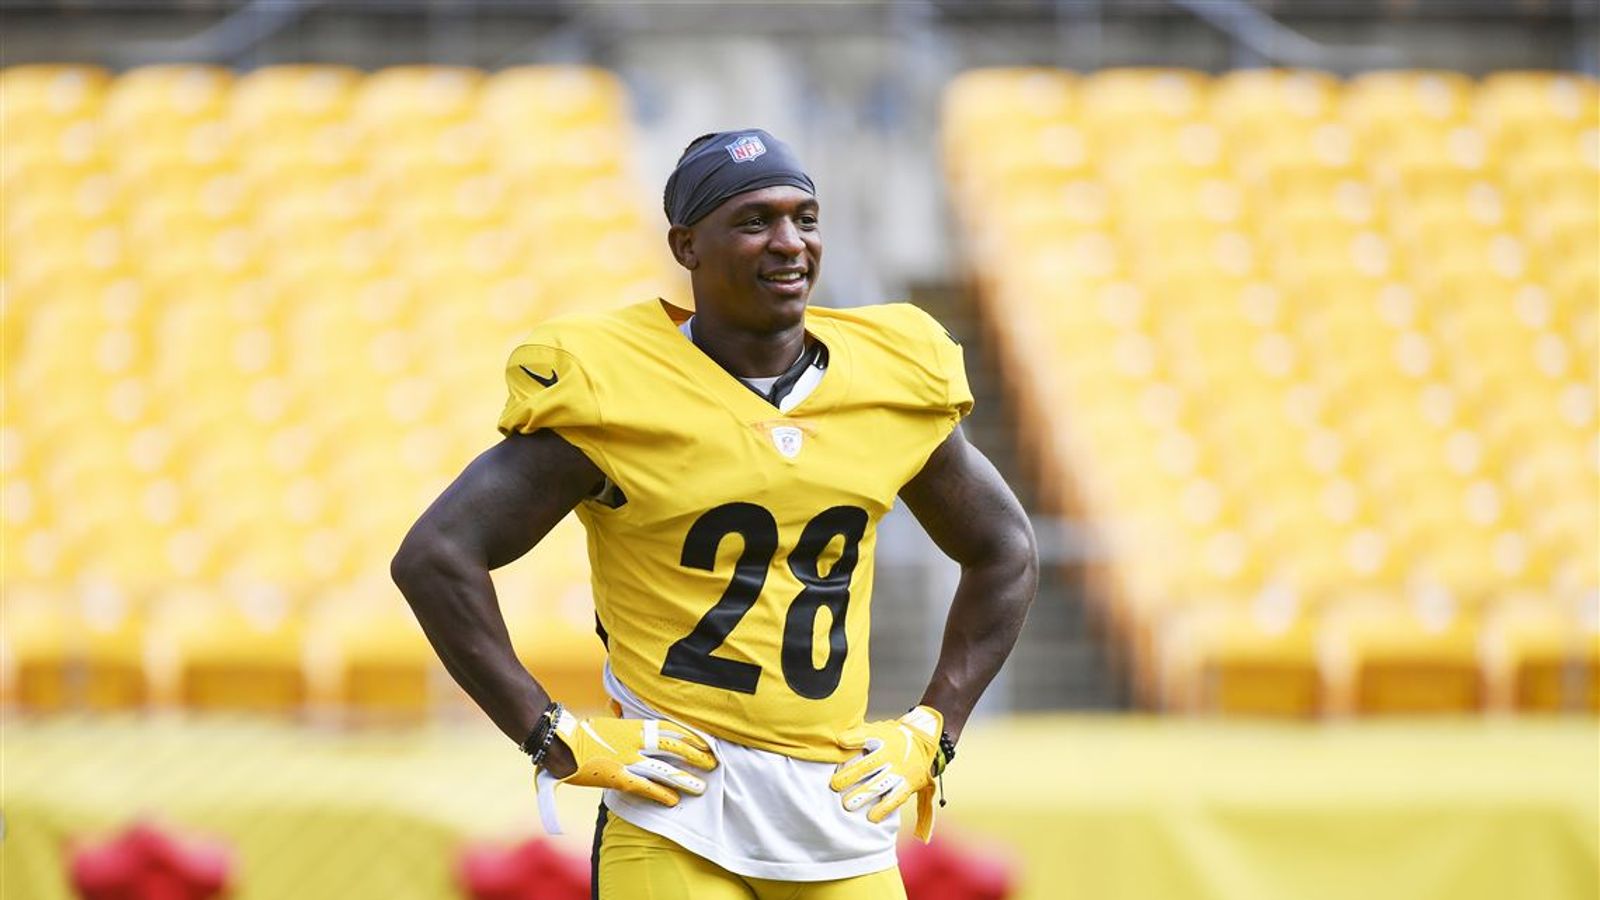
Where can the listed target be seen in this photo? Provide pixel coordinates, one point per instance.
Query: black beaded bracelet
(537, 743)
(947, 753)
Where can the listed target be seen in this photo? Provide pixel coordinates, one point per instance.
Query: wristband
(947, 753)
(537, 743)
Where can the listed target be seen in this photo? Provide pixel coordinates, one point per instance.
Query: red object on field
(532, 870)
(143, 863)
(942, 871)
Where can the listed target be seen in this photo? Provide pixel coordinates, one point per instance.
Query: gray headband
(717, 166)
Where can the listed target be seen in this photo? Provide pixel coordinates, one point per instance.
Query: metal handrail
(228, 40)
(1268, 40)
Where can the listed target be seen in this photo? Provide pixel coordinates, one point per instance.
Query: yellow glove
(627, 755)
(896, 761)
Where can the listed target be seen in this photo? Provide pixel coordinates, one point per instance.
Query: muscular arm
(971, 514)
(493, 513)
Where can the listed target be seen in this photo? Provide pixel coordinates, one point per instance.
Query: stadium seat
(1256, 661)
(37, 94)
(1540, 660)
(71, 653)
(550, 100)
(1386, 103)
(1384, 659)
(367, 661)
(212, 657)
(1247, 101)
(1511, 103)
(292, 96)
(417, 100)
(1122, 96)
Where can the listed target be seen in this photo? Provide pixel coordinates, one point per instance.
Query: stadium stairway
(1059, 663)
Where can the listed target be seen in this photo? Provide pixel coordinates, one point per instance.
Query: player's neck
(746, 354)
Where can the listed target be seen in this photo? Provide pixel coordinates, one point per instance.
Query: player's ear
(681, 239)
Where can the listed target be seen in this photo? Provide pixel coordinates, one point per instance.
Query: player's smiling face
(755, 258)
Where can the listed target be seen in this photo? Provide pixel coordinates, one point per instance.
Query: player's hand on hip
(638, 756)
(895, 762)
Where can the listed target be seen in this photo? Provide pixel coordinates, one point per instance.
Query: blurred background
(1280, 315)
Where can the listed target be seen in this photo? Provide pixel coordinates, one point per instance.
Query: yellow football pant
(635, 864)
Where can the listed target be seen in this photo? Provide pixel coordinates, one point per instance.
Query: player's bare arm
(496, 510)
(972, 515)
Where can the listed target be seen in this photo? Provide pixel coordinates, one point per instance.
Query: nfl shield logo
(746, 148)
(787, 439)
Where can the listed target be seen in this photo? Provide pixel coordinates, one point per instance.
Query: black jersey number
(691, 659)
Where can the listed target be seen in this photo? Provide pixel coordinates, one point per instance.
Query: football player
(730, 466)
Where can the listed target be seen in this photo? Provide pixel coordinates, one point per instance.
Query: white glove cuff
(545, 785)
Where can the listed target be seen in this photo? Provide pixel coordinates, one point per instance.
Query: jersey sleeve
(943, 369)
(951, 369)
(546, 387)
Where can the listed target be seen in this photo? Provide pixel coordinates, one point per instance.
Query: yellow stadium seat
(35, 655)
(214, 656)
(64, 652)
(50, 116)
(1571, 235)
(1318, 244)
(1540, 658)
(1166, 194)
(285, 155)
(178, 91)
(40, 93)
(564, 653)
(1126, 152)
(77, 152)
(1509, 101)
(1533, 148)
(368, 662)
(1257, 661)
(471, 198)
(1492, 254)
(58, 204)
(221, 197)
(556, 162)
(1007, 97)
(1314, 191)
(1574, 284)
(1411, 146)
(544, 101)
(275, 97)
(417, 99)
(1248, 101)
(1387, 659)
(1429, 242)
(1113, 96)
(1329, 145)
(200, 146)
(461, 148)
(1196, 244)
(1550, 185)
(169, 112)
(1384, 103)
(1025, 161)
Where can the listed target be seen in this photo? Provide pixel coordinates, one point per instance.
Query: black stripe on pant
(594, 854)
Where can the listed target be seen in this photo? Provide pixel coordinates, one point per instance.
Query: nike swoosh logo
(546, 381)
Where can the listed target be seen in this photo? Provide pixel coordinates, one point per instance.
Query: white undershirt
(763, 815)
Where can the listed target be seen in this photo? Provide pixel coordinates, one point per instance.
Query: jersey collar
(734, 393)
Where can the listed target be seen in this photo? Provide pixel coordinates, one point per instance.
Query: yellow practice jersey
(732, 569)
